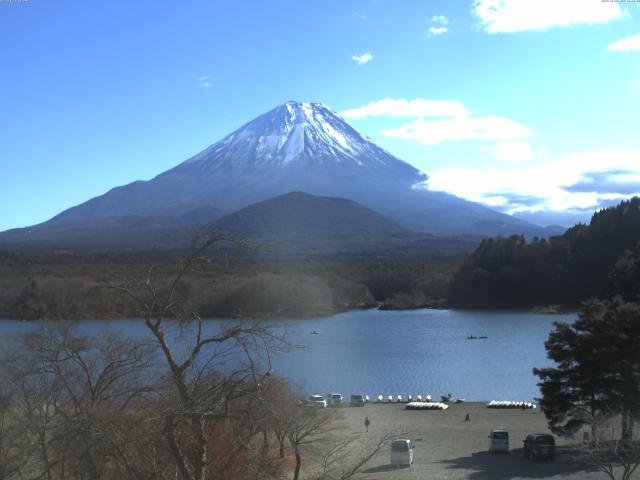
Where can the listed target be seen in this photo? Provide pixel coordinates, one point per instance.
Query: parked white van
(401, 452)
(317, 401)
(334, 399)
(499, 440)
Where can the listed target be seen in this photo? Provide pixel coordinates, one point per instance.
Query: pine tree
(598, 368)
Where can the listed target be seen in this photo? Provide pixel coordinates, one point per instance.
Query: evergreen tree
(596, 260)
(625, 276)
(598, 368)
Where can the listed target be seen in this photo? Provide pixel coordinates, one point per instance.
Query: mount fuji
(298, 146)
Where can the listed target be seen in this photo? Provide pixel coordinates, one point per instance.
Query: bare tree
(280, 404)
(210, 368)
(611, 450)
(33, 399)
(73, 398)
(11, 460)
(307, 426)
(313, 432)
(344, 459)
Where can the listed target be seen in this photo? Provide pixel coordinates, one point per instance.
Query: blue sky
(529, 106)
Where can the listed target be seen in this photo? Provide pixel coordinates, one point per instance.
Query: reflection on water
(403, 352)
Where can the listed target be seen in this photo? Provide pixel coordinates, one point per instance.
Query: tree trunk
(265, 439)
(594, 426)
(627, 472)
(625, 426)
(296, 473)
(281, 448)
(45, 454)
(180, 459)
(201, 452)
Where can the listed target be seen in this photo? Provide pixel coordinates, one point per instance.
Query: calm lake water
(404, 352)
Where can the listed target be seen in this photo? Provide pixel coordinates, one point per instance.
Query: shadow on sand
(385, 468)
(485, 465)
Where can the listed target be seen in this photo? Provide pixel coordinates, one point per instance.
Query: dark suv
(539, 445)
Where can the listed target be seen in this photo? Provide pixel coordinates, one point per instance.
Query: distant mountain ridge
(296, 147)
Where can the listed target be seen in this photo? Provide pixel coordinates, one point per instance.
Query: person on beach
(366, 424)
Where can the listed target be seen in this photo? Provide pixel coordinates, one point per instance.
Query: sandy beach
(447, 447)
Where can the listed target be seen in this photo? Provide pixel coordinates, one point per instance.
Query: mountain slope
(113, 232)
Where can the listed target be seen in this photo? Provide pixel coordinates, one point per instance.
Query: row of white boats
(424, 403)
(508, 404)
(426, 406)
(401, 399)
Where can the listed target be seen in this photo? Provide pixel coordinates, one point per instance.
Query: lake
(404, 352)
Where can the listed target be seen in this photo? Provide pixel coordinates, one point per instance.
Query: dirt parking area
(447, 447)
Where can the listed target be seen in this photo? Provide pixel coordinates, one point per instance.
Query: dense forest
(600, 259)
(71, 286)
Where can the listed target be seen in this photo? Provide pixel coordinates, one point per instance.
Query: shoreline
(315, 315)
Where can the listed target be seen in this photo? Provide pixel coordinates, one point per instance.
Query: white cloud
(441, 19)
(628, 44)
(435, 31)
(512, 151)
(546, 185)
(205, 81)
(491, 127)
(458, 123)
(401, 107)
(438, 25)
(362, 59)
(497, 16)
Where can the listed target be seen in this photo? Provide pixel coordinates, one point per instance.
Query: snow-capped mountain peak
(293, 133)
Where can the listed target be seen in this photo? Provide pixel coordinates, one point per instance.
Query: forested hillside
(78, 286)
(596, 260)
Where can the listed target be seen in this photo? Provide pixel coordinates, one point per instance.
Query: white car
(335, 399)
(401, 452)
(499, 440)
(317, 401)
